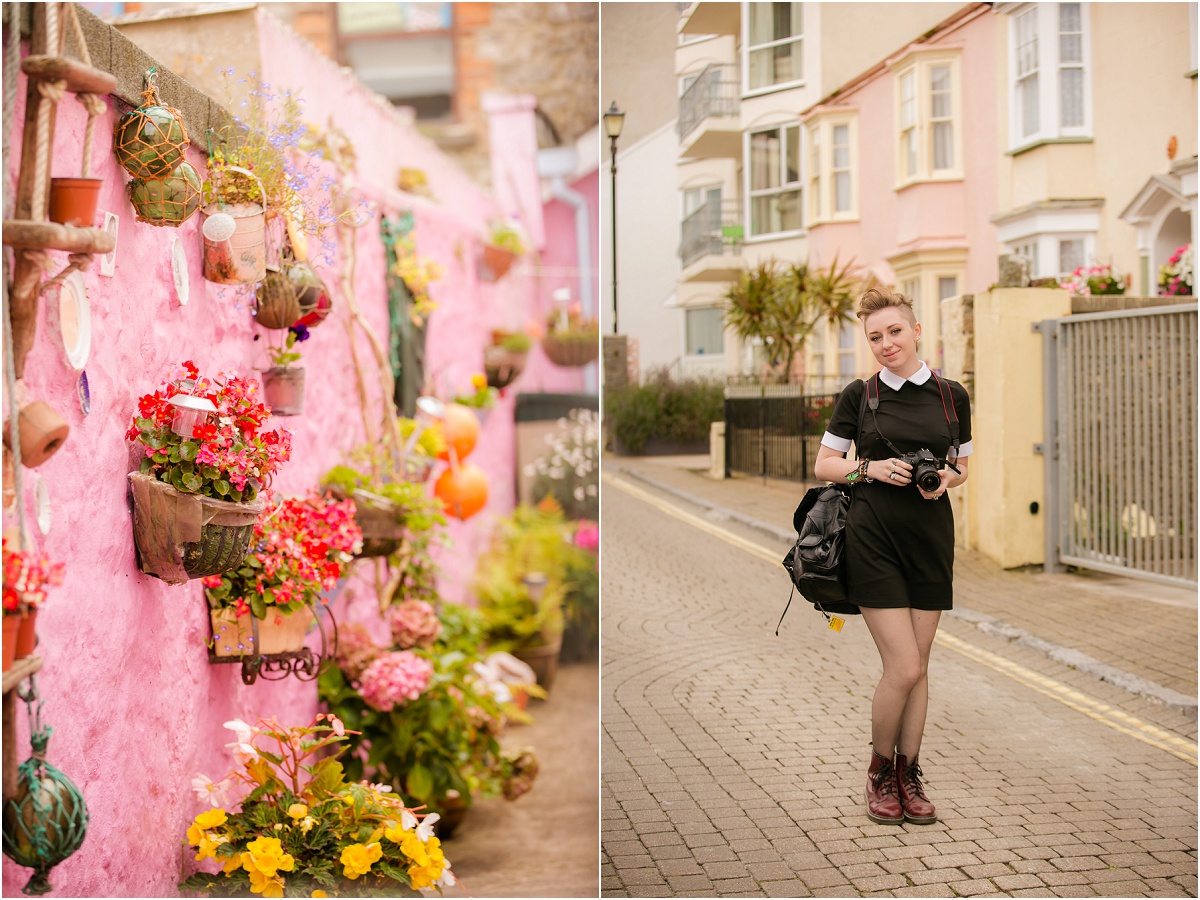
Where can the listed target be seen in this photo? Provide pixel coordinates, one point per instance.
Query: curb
(1134, 684)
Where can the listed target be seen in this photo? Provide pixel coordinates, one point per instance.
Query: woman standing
(899, 535)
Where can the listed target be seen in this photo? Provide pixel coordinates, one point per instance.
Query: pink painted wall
(137, 708)
(929, 214)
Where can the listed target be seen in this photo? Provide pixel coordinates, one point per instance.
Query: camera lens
(927, 479)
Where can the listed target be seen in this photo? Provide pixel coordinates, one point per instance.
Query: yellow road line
(1049, 687)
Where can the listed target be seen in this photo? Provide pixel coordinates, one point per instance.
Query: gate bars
(1120, 427)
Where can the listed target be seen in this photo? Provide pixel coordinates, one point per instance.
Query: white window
(705, 331)
(1070, 256)
(929, 106)
(775, 186)
(841, 168)
(814, 167)
(947, 287)
(847, 335)
(1028, 250)
(1050, 51)
(775, 45)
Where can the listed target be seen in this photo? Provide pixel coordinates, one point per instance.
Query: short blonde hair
(881, 298)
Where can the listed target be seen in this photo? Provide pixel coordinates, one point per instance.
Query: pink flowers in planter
(395, 678)
(1175, 278)
(414, 623)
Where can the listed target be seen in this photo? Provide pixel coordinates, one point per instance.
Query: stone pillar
(716, 450)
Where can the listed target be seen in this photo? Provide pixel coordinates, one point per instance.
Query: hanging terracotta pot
(12, 626)
(463, 490)
(181, 536)
(571, 351)
(493, 263)
(283, 390)
(279, 632)
(42, 433)
(27, 634)
(278, 300)
(73, 200)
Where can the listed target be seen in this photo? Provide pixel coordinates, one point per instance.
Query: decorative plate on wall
(71, 318)
(179, 269)
(108, 262)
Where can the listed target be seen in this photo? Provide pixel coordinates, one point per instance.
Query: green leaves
(419, 782)
(327, 777)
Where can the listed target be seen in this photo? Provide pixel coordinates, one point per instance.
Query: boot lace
(912, 776)
(884, 779)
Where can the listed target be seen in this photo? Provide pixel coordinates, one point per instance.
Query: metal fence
(1126, 441)
(774, 430)
(714, 93)
(711, 230)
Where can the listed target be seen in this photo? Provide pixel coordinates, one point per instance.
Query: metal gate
(774, 430)
(1121, 411)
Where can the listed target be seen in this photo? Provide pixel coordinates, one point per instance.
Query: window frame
(1049, 63)
(687, 310)
(784, 186)
(919, 65)
(747, 47)
(821, 128)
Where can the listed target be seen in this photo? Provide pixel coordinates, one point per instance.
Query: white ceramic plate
(73, 314)
(179, 269)
(42, 496)
(108, 262)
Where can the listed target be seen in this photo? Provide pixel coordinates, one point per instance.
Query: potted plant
(425, 721)
(27, 575)
(571, 339)
(1088, 280)
(504, 360)
(1175, 278)
(521, 583)
(297, 826)
(504, 245)
(481, 399)
(204, 460)
(283, 383)
(300, 548)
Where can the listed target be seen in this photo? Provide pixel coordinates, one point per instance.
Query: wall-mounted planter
(279, 632)
(502, 366)
(493, 263)
(571, 351)
(235, 239)
(315, 301)
(278, 301)
(283, 390)
(42, 433)
(379, 520)
(73, 200)
(182, 536)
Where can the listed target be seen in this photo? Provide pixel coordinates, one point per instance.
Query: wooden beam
(52, 236)
(80, 79)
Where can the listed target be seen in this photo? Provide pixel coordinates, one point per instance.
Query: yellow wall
(1006, 476)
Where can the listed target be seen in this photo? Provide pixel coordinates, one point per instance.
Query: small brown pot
(42, 433)
(494, 263)
(278, 301)
(73, 200)
(503, 366)
(543, 660)
(283, 390)
(12, 625)
(27, 634)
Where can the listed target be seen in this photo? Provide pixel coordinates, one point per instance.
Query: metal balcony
(710, 248)
(709, 125)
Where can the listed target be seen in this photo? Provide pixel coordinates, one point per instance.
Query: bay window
(1049, 58)
(775, 187)
(929, 115)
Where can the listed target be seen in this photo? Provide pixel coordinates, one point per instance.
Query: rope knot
(52, 90)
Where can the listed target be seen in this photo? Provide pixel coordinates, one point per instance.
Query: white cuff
(964, 449)
(833, 442)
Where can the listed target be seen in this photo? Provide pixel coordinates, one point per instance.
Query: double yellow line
(1048, 687)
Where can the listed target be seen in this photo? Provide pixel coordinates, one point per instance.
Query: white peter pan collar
(895, 382)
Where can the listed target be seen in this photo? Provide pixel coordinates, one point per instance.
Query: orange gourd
(460, 428)
(463, 490)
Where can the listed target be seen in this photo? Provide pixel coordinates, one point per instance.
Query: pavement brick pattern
(733, 760)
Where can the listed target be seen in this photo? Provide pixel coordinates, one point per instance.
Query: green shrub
(664, 409)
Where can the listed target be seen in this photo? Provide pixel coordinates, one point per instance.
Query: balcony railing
(714, 93)
(712, 230)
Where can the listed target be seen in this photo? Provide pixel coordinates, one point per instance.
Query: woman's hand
(946, 475)
(893, 471)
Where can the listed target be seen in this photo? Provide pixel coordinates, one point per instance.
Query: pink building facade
(136, 706)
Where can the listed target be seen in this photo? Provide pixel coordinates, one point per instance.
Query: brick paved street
(733, 759)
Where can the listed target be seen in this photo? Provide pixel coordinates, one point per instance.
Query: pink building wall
(924, 215)
(136, 706)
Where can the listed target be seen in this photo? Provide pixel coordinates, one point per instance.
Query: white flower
(407, 820)
(208, 791)
(425, 829)
(446, 879)
(245, 733)
(381, 788)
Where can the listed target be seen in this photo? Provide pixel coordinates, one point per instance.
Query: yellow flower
(478, 381)
(319, 893)
(414, 848)
(306, 824)
(358, 859)
(395, 833)
(232, 864)
(267, 885)
(204, 843)
(266, 856)
(297, 810)
(211, 818)
(428, 860)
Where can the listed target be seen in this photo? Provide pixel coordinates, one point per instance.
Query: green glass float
(47, 820)
(149, 141)
(169, 201)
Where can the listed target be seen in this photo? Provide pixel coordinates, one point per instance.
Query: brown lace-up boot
(883, 800)
(917, 808)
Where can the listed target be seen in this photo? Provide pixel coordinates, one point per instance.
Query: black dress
(900, 546)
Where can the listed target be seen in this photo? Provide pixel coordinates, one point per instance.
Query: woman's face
(893, 340)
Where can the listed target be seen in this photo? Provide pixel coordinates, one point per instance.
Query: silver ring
(892, 476)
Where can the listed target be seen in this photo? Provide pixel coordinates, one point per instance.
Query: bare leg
(912, 722)
(896, 639)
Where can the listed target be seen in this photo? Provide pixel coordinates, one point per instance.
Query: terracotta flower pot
(73, 200)
(233, 635)
(42, 432)
(26, 634)
(543, 660)
(494, 263)
(12, 625)
(283, 390)
(181, 536)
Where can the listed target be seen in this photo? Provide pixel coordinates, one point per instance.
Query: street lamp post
(614, 119)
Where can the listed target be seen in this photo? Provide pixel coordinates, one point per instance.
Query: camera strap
(947, 409)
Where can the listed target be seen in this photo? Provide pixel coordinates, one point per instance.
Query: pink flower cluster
(414, 623)
(395, 678)
(1175, 278)
(26, 577)
(356, 650)
(587, 536)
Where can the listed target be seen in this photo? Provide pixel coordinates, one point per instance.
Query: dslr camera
(925, 469)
